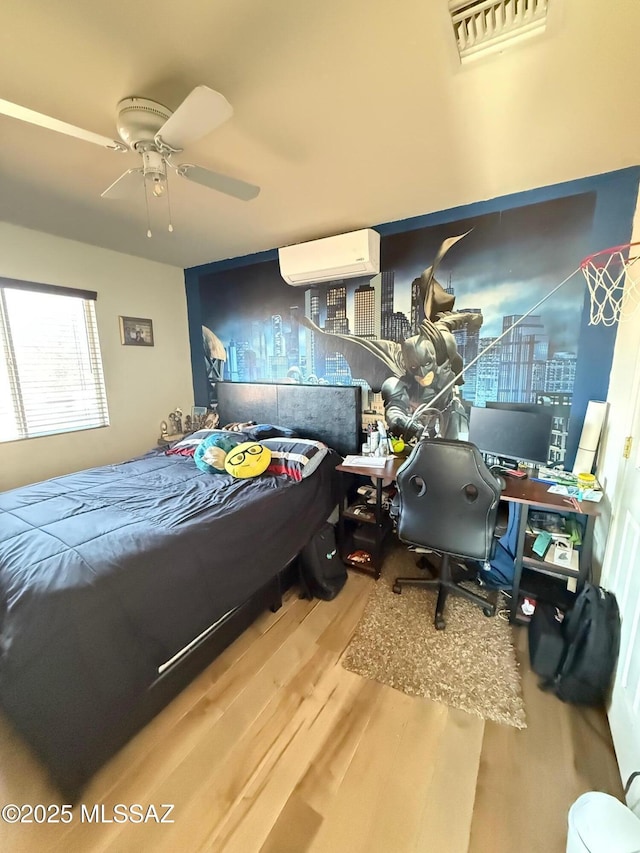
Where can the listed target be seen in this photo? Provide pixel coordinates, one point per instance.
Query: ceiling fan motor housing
(139, 119)
(153, 166)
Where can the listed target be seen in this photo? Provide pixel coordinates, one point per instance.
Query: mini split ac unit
(342, 256)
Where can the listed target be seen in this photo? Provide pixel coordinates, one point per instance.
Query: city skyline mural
(506, 263)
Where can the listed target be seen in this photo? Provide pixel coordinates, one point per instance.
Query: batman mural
(424, 368)
(214, 355)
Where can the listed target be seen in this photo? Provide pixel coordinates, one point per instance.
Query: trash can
(598, 823)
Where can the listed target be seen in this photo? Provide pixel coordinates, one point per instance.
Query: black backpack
(591, 640)
(322, 572)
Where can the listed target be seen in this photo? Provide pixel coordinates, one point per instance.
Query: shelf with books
(560, 565)
(364, 523)
(564, 526)
(546, 564)
(362, 512)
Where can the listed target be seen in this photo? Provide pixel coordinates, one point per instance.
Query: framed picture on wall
(136, 332)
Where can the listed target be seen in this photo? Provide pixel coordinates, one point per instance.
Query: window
(50, 367)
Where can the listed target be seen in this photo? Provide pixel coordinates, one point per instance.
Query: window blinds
(51, 378)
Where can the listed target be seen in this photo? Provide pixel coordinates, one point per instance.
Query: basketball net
(613, 276)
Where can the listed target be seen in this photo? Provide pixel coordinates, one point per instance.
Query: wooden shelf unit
(535, 577)
(357, 533)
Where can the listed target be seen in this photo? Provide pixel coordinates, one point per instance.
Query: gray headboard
(328, 413)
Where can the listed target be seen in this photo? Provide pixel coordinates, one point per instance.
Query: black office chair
(448, 503)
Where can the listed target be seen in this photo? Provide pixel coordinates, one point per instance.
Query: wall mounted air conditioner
(342, 256)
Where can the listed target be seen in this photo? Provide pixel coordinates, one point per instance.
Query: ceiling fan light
(159, 186)
(155, 172)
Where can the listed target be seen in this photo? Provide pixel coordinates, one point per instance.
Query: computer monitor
(516, 407)
(556, 410)
(511, 434)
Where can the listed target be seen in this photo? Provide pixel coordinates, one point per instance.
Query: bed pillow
(239, 426)
(295, 457)
(211, 453)
(260, 431)
(187, 445)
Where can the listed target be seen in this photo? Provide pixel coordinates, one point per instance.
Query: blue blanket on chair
(499, 575)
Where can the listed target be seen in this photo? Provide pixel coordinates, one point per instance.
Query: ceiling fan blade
(202, 111)
(216, 181)
(42, 120)
(126, 185)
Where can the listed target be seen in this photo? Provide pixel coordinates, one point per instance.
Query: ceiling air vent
(484, 26)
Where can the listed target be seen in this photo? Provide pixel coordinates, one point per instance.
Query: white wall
(623, 394)
(143, 383)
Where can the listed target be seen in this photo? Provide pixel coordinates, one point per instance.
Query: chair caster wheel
(397, 588)
(487, 611)
(439, 623)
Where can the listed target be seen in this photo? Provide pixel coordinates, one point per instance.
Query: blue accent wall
(615, 197)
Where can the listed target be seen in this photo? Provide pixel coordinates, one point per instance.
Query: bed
(120, 583)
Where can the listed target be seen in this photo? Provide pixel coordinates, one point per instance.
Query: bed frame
(329, 413)
(178, 675)
(326, 413)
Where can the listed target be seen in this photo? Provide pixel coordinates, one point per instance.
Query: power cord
(504, 613)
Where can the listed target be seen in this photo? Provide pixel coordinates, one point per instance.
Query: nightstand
(169, 439)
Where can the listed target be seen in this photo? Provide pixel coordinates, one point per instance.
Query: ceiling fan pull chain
(170, 227)
(146, 204)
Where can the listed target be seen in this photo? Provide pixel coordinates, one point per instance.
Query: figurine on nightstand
(176, 421)
(210, 420)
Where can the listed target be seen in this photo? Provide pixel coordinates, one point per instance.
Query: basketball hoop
(613, 281)
(614, 290)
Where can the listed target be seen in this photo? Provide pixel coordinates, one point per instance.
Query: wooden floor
(276, 748)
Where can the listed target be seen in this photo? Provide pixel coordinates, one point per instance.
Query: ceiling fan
(158, 135)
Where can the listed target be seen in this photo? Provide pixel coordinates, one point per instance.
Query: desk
(532, 493)
(380, 524)
(528, 492)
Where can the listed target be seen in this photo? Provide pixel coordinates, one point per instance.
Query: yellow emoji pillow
(247, 460)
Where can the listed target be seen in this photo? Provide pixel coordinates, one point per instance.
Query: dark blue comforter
(107, 573)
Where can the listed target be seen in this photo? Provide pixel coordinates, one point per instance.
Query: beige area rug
(470, 665)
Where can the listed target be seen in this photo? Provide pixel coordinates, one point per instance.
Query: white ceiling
(347, 113)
